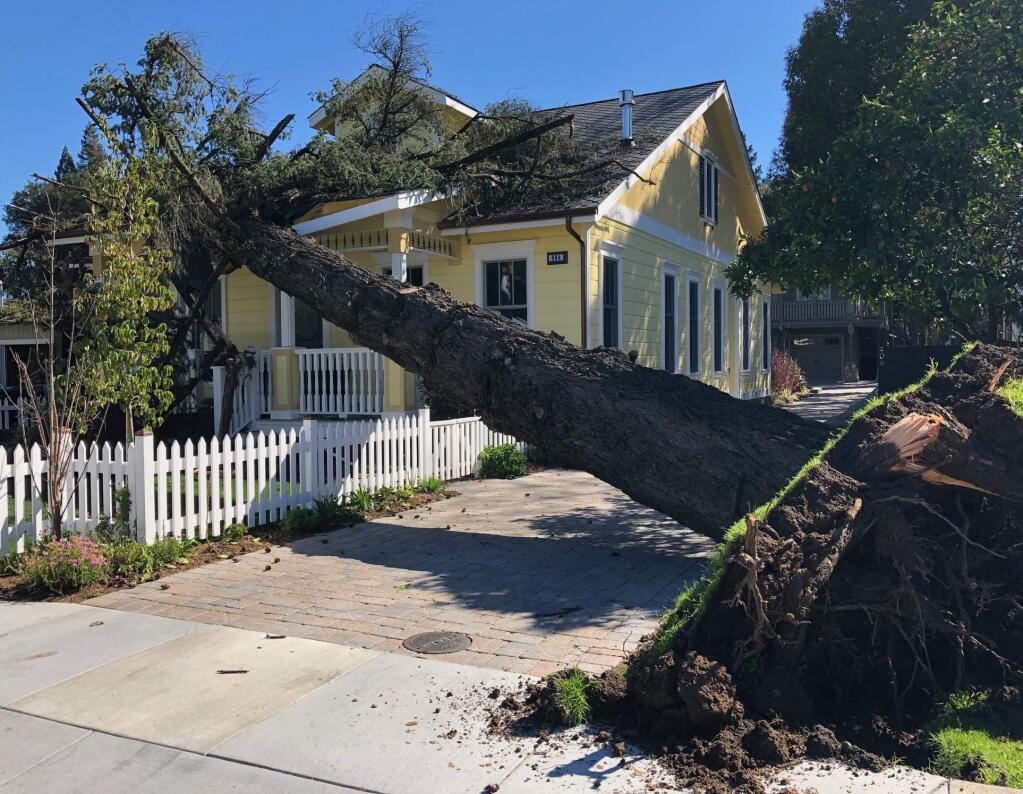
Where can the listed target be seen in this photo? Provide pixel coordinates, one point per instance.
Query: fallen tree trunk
(672, 443)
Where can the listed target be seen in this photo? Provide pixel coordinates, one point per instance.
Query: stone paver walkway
(542, 572)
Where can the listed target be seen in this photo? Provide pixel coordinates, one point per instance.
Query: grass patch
(572, 690)
(1012, 391)
(974, 739)
(692, 602)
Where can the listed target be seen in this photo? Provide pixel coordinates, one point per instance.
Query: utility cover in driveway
(437, 642)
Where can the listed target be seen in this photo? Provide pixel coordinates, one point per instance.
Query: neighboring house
(19, 340)
(639, 267)
(833, 338)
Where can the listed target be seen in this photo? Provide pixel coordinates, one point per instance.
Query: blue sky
(548, 52)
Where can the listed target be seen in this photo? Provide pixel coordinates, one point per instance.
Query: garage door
(820, 357)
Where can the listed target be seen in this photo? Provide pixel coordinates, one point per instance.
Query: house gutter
(583, 271)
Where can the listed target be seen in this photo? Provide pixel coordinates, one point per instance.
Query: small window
(413, 274)
(694, 327)
(746, 320)
(765, 338)
(670, 328)
(708, 189)
(506, 288)
(610, 303)
(719, 329)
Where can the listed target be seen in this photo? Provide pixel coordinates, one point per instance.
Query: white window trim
(719, 284)
(709, 217)
(694, 278)
(495, 252)
(613, 251)
(671, 269)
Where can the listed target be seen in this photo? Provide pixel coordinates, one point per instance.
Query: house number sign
(557, 257)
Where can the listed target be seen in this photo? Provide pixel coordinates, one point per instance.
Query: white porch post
(287, 319)
(399, 266)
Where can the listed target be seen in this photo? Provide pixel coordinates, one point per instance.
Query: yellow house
(639, 267)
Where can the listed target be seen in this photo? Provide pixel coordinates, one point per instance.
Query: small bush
(360, 500)
(502, 462)
(787, 376)
(300, 521)
(170, 551)
(235, 532)
(129, 561)
(331, 512)
(572, 690)
(430, 485)
(63, 566)
(10, 563)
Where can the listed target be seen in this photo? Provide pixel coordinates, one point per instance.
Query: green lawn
(976, 739)
(1013, 392)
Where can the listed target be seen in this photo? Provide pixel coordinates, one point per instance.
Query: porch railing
(343, 380)
(831, 309)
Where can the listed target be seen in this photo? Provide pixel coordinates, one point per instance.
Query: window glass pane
(493, 283)
(518, 269)
(694, 327)
(745, 333)
(610, 302)
(308, 326)
(718, 330)
(669, 323)
(415, 275)
(765, 338)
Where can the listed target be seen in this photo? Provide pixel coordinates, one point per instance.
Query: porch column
(287, 319)
(398, 246)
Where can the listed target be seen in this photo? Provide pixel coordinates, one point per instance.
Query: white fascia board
(515, 225)
(396, 201)
(317, 116)
(669, 234)
(67, 240)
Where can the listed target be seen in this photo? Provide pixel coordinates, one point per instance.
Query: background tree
(918, 200)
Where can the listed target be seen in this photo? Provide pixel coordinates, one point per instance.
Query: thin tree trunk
(672, 443)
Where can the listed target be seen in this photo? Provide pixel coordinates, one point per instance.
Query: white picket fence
(196, 490)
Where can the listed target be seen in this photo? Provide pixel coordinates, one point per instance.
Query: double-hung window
(708, 189)
(719, 329)
(765, 337)
(611, 302)
(506, 288)
(670, 327)
(746, 319)
(694, 327)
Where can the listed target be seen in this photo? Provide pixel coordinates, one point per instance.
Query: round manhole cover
(437, 642)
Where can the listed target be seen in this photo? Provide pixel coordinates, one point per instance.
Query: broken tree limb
(672, 443)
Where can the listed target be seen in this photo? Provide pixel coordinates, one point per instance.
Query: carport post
(425, 444)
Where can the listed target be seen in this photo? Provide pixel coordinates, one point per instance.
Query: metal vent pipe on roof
(625, 102)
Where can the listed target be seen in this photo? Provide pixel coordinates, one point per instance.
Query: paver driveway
(552, 569)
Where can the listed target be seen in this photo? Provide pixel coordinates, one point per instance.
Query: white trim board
(612, 251)
(669, 234)
(514, 225)
(491, 252)
(396, 201)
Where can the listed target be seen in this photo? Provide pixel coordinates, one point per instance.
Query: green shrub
(10, 563)
(129, 561)
(360, 500)
(116, 528)
(430, 485)
(572, 690)
(63, 566)
(300, 521)
(170, 550)
(235, 532)
(501, 462)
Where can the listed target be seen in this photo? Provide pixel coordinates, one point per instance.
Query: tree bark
(677, 445)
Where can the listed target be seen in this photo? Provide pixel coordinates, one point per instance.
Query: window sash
(505, 288)
(610, 302)
(670, 330)
(694, 327)
(746, 323)
(765, 338)
(719, 340)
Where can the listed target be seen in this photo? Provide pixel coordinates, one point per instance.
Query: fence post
(142, 474)
(219, 376)
(425, 444)
(311, 461)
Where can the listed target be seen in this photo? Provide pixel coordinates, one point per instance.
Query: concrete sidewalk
(96, 699)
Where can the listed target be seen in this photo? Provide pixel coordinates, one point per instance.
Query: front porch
(283, 384)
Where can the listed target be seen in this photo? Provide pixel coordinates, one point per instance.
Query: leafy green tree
(918, 202)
